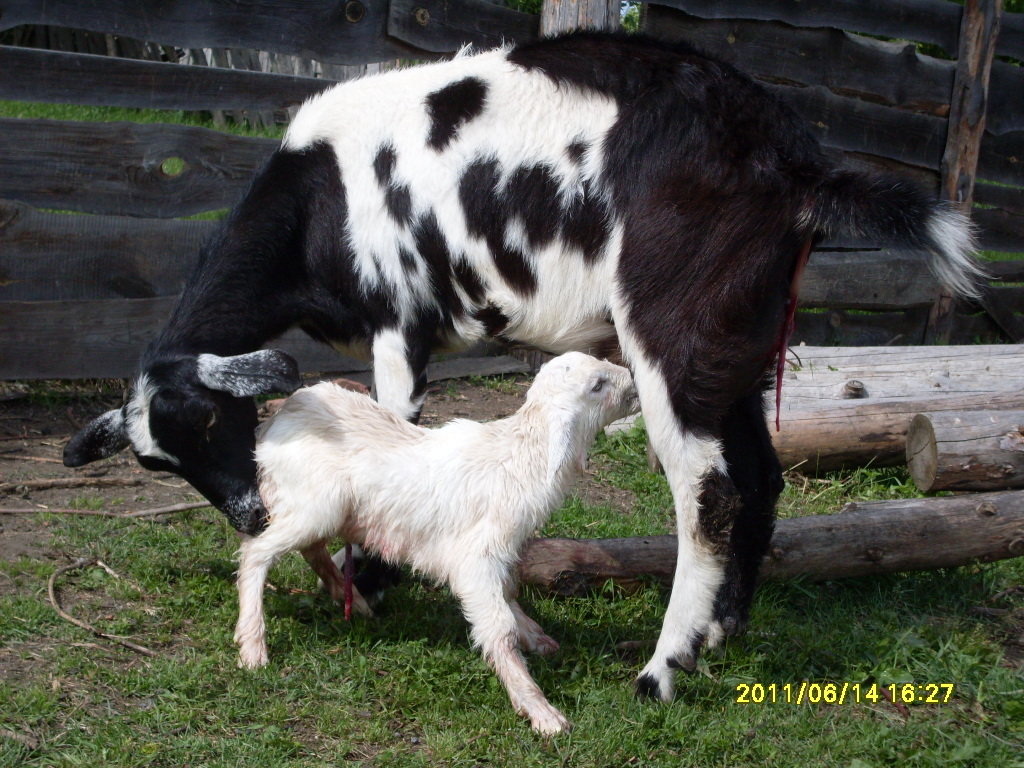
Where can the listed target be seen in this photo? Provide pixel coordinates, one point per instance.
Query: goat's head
(581, 394)
(194, 416)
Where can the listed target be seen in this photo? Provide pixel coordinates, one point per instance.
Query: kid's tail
(897, 213)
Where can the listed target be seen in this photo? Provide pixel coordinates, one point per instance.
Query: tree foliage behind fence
(83, 289)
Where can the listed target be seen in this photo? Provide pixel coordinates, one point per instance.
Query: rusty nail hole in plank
(354, 11)
(172, 167)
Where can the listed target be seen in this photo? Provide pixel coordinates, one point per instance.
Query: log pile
(953, 415)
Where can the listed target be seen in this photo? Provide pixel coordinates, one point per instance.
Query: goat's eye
(598, 385)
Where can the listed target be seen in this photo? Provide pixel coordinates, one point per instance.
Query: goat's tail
(897, 213)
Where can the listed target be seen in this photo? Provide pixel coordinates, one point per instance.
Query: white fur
(951, 231)
(527, 120)
(456, 503)
(136, 421)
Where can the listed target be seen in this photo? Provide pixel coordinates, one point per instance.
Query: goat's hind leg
(756, 482)
(532, 637)
(495, 629)
(331, 578)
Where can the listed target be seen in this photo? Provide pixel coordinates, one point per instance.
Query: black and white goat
(456, 503)
(584, 192)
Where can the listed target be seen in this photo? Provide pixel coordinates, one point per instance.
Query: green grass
(28, 110)
(405, 688)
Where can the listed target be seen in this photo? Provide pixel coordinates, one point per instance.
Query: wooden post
(979, 29)
(559, 16)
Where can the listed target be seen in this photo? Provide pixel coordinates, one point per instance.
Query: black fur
(647, 687)
(453, 106)
(487, 214)
(397, 197)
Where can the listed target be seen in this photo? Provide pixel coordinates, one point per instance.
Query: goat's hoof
(549, 722)
(252, 658)
(650, 688)
(542, 645)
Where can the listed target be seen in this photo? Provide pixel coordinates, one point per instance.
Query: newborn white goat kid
(456, 503)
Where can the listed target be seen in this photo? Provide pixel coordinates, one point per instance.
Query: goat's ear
(563, 444)
(102, 437)
(255, 373)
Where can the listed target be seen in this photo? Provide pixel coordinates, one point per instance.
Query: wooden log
(967, 450)
(859, 433)
(815, 376)
(862, 539)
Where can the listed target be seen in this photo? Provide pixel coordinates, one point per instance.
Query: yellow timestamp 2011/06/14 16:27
(842, 693)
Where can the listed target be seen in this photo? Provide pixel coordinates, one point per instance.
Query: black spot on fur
(433, 250)
(576, 151)
(453, 106)
(384, 164)
(487, 214)
(398, 200)
(647, 687)
(408, 262)
(720, 504)
(531, 194)
(587, 224)
(494, 319)
(397, 197)
(469, 281)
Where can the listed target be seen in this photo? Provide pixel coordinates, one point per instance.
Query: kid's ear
(102, 437)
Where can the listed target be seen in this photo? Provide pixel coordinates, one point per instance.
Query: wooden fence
(94, 246)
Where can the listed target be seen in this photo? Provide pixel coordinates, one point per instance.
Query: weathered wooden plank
(77, 78)
(51, 256)
(442, 26)
(856, 328)
(87, 339)
(887, 72)
(854, 125)
(878, 280)
(115, 168)
(999, 230)
(1006, 271)
(928, 21)
(342, 32)
(104, 339)
(890, 73)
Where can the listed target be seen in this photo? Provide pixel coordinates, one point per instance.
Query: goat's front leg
(256, 556)
(331, 578)
(495, 630)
